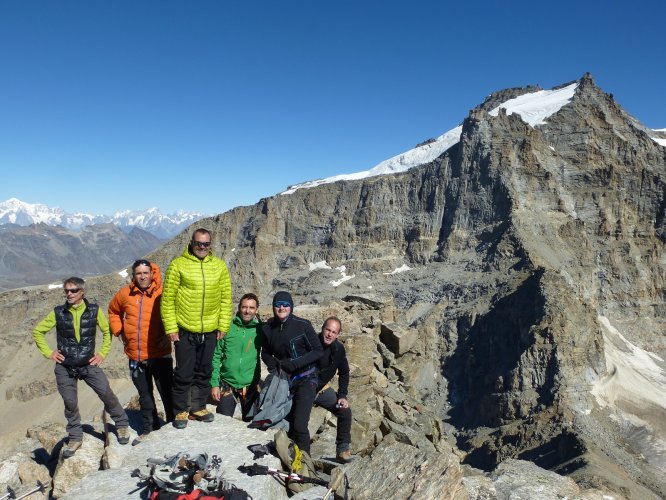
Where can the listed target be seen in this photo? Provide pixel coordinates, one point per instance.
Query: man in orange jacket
(134, 316)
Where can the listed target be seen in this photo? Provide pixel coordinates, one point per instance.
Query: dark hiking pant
(67, 379)
(159, 370)
(304, 392)
(327, 399)
(194, 366)
(229, 397)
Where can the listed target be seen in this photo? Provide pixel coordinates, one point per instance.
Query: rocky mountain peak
(501, 299)
(501, 96)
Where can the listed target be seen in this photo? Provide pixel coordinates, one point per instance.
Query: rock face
(505, 301)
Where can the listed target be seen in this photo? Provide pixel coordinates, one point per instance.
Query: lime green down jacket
(196, 295)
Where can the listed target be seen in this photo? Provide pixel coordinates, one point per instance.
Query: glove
(288, 366)
(271, 363)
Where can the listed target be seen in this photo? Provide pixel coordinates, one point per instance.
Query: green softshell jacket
(196, 295)
(236, 356)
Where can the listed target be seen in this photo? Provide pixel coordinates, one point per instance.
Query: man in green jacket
(196, 312)
(236, 367)
(76, 323)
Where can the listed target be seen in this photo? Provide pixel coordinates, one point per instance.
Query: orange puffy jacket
(134, 315)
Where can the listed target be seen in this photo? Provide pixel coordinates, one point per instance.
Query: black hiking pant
(159, 370)
(304, 391)
(194, 366)
(328, 399)
(229, 397)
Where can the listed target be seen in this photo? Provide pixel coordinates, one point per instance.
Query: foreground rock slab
(225, 437)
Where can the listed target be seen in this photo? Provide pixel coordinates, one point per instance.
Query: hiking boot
(140, 438)
(344, 457)
(71, 448)
(202, 416)
(123, 435)
(180, 422)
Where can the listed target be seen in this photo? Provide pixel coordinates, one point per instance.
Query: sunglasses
(71, 290)
(282, 303)
(200, 244)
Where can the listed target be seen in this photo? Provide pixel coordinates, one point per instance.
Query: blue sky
(209, 104)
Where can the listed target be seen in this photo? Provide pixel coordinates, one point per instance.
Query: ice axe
(40, 487)
(336, 479)
(256, 469)
(10, 494)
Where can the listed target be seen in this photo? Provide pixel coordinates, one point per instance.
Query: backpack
(295, 460)
(187, 477)
(273, 403)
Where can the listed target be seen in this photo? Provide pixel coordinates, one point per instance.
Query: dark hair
(141, 262)
(79, 282)
(202, 230)
(332, 318)
(250, 296)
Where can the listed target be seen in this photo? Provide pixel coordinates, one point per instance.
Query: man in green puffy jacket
(196, 312)
(236, 367)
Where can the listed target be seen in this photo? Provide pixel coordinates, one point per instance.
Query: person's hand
(57, 356)
(288, 366)
(220, 334)
(96, 360)
(271, 363)
(343, 403)
(215, 393)
(174, 337)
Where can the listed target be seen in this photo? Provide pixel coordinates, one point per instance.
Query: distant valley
(40, 244)
(40, 254)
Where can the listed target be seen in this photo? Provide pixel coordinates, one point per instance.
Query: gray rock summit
(502, 306)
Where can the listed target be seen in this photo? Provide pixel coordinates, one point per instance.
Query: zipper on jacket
(203, 295)
(138, 329)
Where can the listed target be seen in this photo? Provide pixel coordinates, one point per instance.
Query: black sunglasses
(71, 290)
(201, 244)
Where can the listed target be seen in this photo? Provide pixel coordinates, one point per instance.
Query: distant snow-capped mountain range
(14, 211)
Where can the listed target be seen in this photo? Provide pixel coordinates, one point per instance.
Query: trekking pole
(257, 469)
(40, 487)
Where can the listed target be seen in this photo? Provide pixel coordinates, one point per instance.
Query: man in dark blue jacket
(292, 345)
(335, 360)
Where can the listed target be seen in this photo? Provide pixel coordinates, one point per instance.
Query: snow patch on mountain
(534, 108)
(15, 211)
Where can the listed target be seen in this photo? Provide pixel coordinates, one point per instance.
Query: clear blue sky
(209, 104)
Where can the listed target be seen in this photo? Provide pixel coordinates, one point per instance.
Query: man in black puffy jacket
(292, 345)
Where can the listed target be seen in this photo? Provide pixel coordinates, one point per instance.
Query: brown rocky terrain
(505, 301)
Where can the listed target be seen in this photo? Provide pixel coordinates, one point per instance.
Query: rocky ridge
(505, 301)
